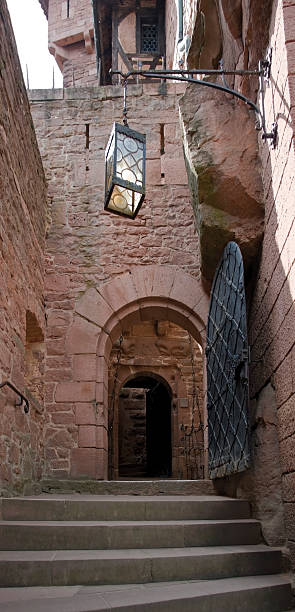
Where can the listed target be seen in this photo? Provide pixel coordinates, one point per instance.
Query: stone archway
(160, 292)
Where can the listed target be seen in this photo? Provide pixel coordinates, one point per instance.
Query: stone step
(246, 594)
(130, 487)
(122, 507)
(62, 568)
(59, 535)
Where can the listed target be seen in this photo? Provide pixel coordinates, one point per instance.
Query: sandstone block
(58, 318)
(84, 367)
(101, 438)
(96, 174)
(143, 278)
(101, 370)
(75, 392)
(87, 436)
(57, 282)
(118, 292)
(101, 393)
(153, 172)
(174, 170)
(63, 418)
(82, 337)
(187, 289)
(94, 308)
(163, 281)
(85, 413)
(88, 463)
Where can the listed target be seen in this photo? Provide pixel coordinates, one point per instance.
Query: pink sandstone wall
(22, 230)
(272, 323)
(87, 247)
(245, 34)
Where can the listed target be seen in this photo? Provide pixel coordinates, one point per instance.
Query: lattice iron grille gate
(227, 368)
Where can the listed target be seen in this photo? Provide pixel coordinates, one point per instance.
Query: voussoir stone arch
(101, 314)
(143, 293)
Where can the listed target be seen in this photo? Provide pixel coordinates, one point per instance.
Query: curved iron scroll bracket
(23, 401)
(187, 76)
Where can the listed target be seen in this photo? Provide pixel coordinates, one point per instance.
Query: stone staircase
(168, 546)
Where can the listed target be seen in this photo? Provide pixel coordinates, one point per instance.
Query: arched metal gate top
(227, 368)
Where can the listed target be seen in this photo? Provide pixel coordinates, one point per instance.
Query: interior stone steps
(94, 567)
(246, 594)
(122, 507)
(63, 535)
(136, 550)
(130, 487)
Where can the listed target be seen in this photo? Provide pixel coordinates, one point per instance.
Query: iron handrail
(23, 399)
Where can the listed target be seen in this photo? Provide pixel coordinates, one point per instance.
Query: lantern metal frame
(111, 177)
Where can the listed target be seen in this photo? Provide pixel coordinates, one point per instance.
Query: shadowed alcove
(145, 448)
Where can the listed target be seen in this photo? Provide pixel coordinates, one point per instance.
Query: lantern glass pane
(130, 152)
(110, 162)
(124, 201)
(125, 171)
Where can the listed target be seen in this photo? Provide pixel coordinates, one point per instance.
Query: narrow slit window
(68, 9)
(162, 139)
(87, 136)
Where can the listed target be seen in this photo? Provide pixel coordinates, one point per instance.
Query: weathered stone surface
(206, 43)
(262, 483)
(232, 10)
(22, 241)
(223, 169)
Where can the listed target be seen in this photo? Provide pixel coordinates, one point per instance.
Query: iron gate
(227, 368)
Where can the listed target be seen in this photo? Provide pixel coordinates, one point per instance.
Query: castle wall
(245, 34)
(272, 322)
(87, 247)
(22, 231)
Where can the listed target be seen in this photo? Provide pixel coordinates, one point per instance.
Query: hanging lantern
(125, 171)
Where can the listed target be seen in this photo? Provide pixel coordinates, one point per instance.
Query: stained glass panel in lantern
(125, 171)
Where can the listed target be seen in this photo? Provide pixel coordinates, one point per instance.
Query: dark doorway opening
(145, 448)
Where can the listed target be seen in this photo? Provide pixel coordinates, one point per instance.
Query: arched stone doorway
(151, 292)
(144, 428)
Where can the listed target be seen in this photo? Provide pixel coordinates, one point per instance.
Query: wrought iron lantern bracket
(193, 76)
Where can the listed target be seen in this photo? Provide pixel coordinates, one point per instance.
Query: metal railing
(23, 401)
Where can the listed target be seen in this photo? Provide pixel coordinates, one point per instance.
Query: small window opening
(162, 139)
(149, 38)
(87, 135)
(68, 9)
(34, 358)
